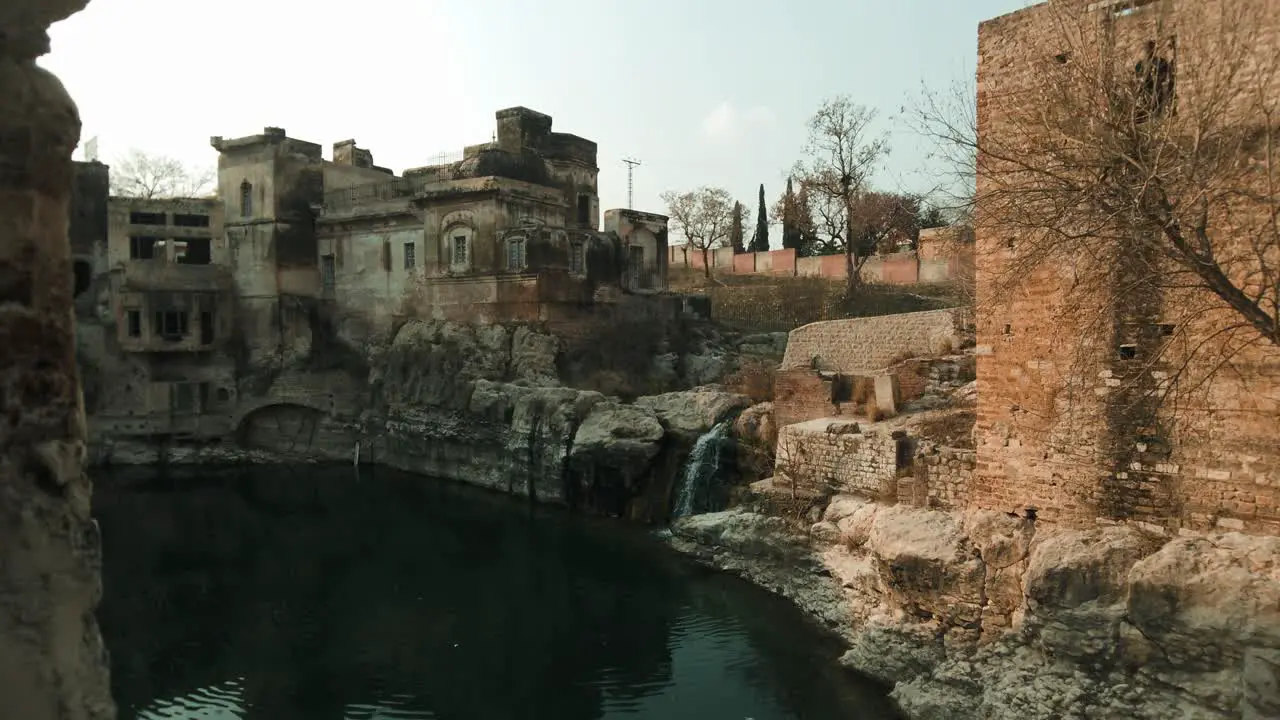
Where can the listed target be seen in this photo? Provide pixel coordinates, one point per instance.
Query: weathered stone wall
(940, 477)
(871, 343)
(1060, 425)
(827, 456)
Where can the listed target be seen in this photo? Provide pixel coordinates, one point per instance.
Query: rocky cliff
(492, 405)
(484, 405)
(984, 615)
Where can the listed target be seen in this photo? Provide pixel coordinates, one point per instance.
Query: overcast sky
(702, 92)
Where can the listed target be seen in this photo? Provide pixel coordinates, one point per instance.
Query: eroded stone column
(52, 663)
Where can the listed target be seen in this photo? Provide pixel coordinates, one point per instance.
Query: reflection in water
(317, 594)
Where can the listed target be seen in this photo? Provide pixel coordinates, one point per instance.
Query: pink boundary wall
(931, 264)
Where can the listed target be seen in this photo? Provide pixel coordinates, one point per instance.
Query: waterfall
(700, 469)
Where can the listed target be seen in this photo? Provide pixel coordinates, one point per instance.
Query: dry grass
(864, 390)
(873, 411)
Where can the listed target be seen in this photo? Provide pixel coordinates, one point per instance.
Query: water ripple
(224, 701)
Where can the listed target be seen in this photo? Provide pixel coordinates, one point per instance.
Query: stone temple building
(1078, 425)
(188, 306)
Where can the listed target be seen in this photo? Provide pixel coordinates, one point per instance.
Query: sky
(701, 92)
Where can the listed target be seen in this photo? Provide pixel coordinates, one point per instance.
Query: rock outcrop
(52, 663)
(982, 615)
(481, 404)
(693, 412)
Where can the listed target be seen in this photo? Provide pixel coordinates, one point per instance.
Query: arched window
(458, 247)
(246, 199)
(516, 258)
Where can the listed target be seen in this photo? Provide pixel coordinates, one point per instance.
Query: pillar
(52, 663)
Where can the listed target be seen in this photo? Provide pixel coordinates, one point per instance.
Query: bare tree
(1141, 172)
(948, 120)
(704, 216)
(140, 174)
(841, 154)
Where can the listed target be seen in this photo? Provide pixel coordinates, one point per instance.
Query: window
(206, 328)
(143, 248)
(635, 265)
(386, 256)
(246, 199)
(190, 220)
(328, 273)
(133, 322)
(584, 209)
(182, 397)
(410, 259)
(578, 258)
(146, 218)
(1155, 76)
(515, 254)
(171, 324)
(81, 276)
(204, 396)
(1128, 352)
(460, 250)
(194, 251)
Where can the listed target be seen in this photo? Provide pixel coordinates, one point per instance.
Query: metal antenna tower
(631, 167)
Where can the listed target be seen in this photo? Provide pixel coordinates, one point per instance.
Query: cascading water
(700, 469)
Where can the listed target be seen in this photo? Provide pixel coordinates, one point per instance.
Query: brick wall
(1053, 405)
(867, 344)
(822, 456)
(801, 394)
(939, 259)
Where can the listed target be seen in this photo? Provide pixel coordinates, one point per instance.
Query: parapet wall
(872, 343)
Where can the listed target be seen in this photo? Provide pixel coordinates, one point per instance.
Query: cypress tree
(735, 230)
(790, 228)
(760, 239)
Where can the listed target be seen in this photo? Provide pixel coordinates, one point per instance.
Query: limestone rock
(927, 565)
(533, 356)
(853, 516)
(1069, 569)
(978, 615)
(620, 438)
(703, 368)
(756, 425)
(750, 534)
(1201, 601)
(824, 532)
(691, 413)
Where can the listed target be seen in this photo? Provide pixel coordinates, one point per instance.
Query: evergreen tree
(760, 239)
(790, 223)
(735, 230)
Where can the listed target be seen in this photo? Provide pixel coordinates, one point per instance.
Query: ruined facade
(156, 313)
(191, 308)
(1078, 426)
